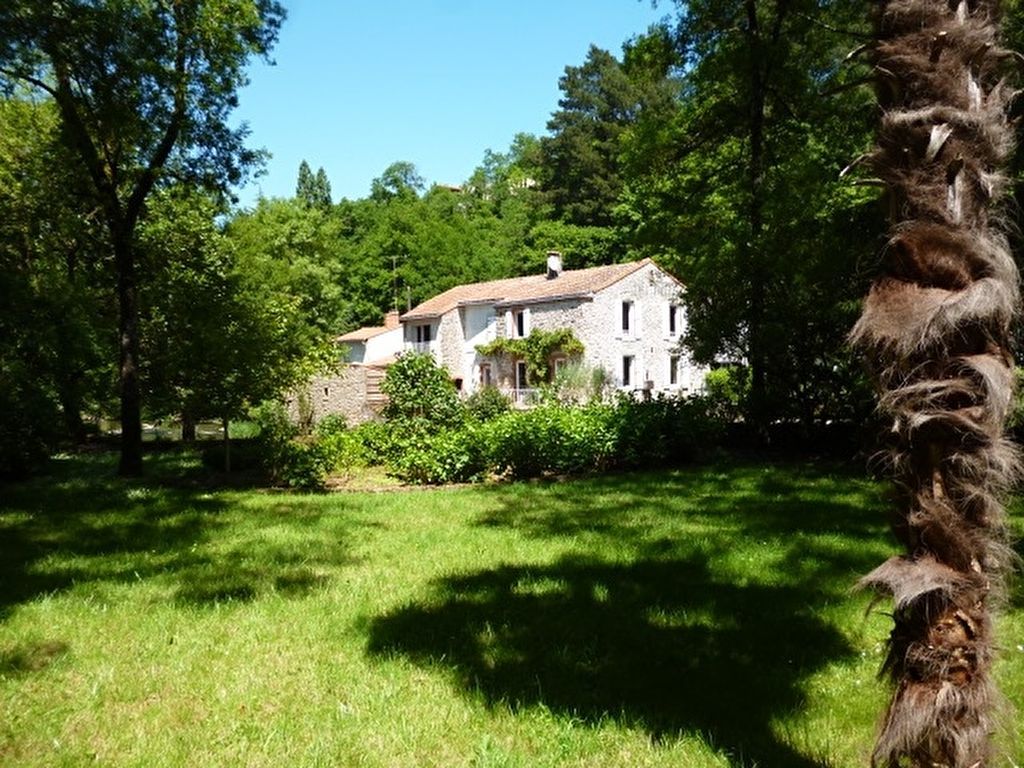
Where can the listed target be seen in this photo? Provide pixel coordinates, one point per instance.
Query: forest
(723, 143)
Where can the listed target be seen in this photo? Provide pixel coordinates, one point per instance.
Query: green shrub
(551, 439)
(288, 459)
(627, 433)
(577, 382)
(374, 442)
(663, 431)
(487, 403)
(30, 424)
(438, 456)
(329, 425)
(417, 388)
(726, 391)
(246, 455)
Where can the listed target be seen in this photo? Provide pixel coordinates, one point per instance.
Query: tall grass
(690, 618)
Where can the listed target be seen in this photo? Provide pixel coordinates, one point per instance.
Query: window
(627, 317)
(673, 370)
(423, 334)
(485, 374)
(519, 323)
(627, 370)
(673, 320)
(521, 374)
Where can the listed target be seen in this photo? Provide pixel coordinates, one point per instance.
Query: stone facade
(354, 393)
(630, 326)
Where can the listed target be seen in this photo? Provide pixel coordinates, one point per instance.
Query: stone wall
(354, 392)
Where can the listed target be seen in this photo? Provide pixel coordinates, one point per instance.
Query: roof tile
(569, 284)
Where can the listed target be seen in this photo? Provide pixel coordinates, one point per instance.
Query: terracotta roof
(572, 283)
(368, 332)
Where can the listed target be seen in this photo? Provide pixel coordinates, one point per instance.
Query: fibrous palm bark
(936, 327)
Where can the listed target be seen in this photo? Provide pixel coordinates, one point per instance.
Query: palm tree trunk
(935, 327)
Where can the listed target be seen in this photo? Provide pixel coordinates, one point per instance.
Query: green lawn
(693, 618)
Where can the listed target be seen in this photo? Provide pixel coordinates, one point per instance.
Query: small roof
(368, 332)
(570, 284)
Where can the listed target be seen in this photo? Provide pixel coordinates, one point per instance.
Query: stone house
(374, 345)
(627, 316)
(354, 392)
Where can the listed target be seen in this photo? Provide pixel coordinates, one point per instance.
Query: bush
(30, 425)
(438, 456)
(288, 460)
(418, 389)
(373, 441)
(246, 455)
(726, 391)
(487, 403)
(664, 431)
(551, 439)
(580, 383)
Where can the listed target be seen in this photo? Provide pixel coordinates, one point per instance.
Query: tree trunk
(759, 388)
(188, 426)
(227, 445)
(935, 326)
(128, 345)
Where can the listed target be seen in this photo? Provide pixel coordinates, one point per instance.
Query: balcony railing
(422, 347)
(523, 397)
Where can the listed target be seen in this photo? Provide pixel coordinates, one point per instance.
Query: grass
(693, 618)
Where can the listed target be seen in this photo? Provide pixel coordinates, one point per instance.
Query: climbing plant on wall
(537, 350)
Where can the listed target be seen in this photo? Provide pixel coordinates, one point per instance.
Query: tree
(420, 394)
(304, 185)
(223, 327)
(144, 91)
(936, 327)
(53, 325)
(581, 155)
(322, 187)
(300, 250)
(736, 188)
(400, 180)
(313, 190)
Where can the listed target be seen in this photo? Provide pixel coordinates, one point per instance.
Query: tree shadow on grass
(660, 644)
(80, 527)
(757, 500)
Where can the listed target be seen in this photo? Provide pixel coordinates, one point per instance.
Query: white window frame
(513, 319)
(522, 381)
(627, 318)
(628, 370)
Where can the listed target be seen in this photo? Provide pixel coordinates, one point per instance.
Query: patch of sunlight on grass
(699, 618)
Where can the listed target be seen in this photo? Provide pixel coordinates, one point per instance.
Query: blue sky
(359, 84)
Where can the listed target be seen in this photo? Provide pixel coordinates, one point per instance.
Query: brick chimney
(391, 319)
(554, 264)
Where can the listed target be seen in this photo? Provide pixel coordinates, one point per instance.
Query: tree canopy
(143, 92)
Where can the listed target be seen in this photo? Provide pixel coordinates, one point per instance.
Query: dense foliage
(144, 93)
(714, 143)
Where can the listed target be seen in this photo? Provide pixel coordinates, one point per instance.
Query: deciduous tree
(144, 91)
(737, 190)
